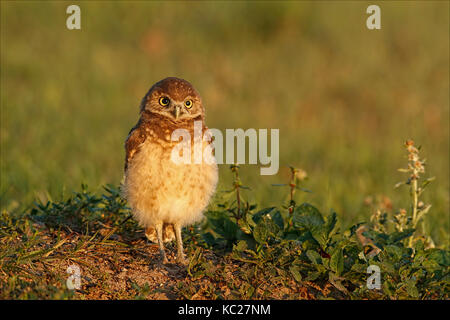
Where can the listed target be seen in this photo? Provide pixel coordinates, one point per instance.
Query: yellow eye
(188, 104)
(164, 101)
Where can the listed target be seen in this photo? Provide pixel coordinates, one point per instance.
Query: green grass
(343, 97)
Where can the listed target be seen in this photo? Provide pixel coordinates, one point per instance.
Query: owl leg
(159, 234)
(180, 254)
(150, 233)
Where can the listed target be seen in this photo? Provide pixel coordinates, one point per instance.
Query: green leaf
(264, 230)
(388, 267)
(441, 257)
(399, 236)
(394, 251)
(260, 233)
(427, 182)
(295, 273)
(379, 238)
(314, 257)
(359, 267)
(322, 233)
(209, 238)
(430, 265)
(331, 223)
(419, 246)
(388, 288)
(313, 276)
(256, 217)
(307, 216)
(224, 227)
(335, 280)
(240, 246)
(278, 219)
(411, 288)
(337, 261)
(250, 221)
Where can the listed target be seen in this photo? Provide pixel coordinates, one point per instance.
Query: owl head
(173, 98)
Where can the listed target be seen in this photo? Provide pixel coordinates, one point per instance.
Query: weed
(415, 169)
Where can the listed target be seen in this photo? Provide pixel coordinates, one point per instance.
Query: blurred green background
(345, 98)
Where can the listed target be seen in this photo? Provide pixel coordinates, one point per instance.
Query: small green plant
(238, 211)
(415, 169)
(296, 176)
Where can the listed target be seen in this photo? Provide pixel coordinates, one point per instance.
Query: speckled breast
(159, 189)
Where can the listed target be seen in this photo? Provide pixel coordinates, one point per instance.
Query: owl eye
(164, 101)
(188, 104)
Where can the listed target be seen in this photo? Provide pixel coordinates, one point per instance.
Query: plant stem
(237, 184)
(292, 186)
(414, 208)
(415, 200)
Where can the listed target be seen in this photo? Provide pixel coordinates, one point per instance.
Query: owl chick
(165, 195)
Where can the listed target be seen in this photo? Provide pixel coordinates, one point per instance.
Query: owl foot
(163, 258)
(180, 254)
(159, 233)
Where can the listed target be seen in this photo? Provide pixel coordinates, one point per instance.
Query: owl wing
(135, 139)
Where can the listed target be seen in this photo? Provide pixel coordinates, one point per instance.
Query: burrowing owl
(166, 195)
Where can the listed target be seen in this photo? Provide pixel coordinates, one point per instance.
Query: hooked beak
(177, 112)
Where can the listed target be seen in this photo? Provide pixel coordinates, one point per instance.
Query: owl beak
(177, 112)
